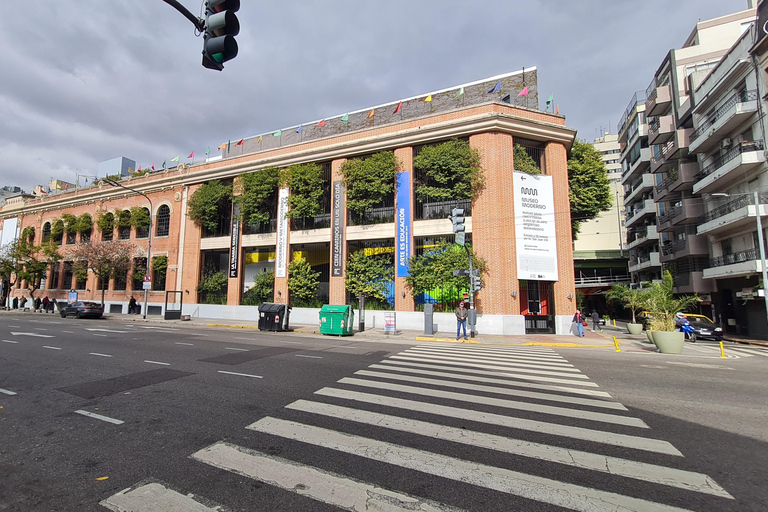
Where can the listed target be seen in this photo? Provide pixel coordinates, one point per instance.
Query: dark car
(704, 327)
(82, 309)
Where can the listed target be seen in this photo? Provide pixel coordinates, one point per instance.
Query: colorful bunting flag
(58, 185)
(163, 164)
(260, 137)
(460, 93)
(66, 186)
(557, 109)
(345, 117)
(191, 155)
(130, 171)
(549, 100)
(399, 106)
(207, 150)
(153, 166)
(224, 145)
(175, 159)
(321, 123)
(240, 142)
(370, 114)
(138, 170)
(301, 127)
(524, 92)
(278, 133)
(496, 87)
(428, 98)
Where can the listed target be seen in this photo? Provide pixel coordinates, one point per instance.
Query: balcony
(644, 236)
(589, 282)
(639, 166)
(659, 100)
(679, 179)
(629, 113)
(733, 215)
(742, 263)
(693, 282)
(645, 209)
(645, 262)
(729, 167)
(686, 213)
(643, 184)
(691, 245)
(676, 147)
(726, 118)
(661, 129)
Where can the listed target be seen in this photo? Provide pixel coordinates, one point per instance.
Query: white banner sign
(536, 242)
(281, 247)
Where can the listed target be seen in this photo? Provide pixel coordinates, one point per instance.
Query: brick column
(404, 157)
(337, 291)
(556, 159)
(494, 207)
(189, 267)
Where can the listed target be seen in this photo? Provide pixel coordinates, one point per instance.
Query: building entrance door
(537, 301)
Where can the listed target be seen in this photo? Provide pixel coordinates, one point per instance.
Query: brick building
(492, 114)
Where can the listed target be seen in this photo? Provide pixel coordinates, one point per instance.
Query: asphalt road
(101, 415)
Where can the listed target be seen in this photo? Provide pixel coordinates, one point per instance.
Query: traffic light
(221, 27)
(476, 283)
(457, 217)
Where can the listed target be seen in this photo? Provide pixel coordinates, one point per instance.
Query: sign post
(146, 285)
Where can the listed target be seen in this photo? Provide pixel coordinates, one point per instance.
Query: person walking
(132, 305)
(52, 305)
(461, 320)
(578, 318)
(596, 321)
(45, 303)
(15, 303)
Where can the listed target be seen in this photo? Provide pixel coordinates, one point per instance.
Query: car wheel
(63, 315)
(78, 315)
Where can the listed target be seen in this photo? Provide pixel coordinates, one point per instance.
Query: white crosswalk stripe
(486, 398)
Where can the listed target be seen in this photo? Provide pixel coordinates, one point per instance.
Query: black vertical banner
(337, 230)
(234, 247)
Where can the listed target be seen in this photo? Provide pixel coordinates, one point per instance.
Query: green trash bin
(336, 320)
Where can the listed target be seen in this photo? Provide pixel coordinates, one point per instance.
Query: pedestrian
(596, 321)
(52, 305)
(37, 303)
(22, 302)
(579, 320)
(15, 303)
(461, 320)
(132, 305)
(45, 303)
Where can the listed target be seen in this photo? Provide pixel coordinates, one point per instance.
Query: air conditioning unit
(725, 143)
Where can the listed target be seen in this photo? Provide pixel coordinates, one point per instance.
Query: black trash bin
(273, 317)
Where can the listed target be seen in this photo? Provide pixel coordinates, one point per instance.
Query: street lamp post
(114, 183)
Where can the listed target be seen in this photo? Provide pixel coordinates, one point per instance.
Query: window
(67, 282)
(163, 221)
(143, 232)
(139, 270)
(55, 268)
(46, 231)
(71, 238)
(85, 236)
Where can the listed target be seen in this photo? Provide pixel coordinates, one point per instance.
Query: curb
(445, 340)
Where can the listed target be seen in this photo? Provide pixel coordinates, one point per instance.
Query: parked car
(704, 327)
(82, 309)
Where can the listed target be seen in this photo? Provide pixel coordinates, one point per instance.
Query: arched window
(46, 231)
(163, 221)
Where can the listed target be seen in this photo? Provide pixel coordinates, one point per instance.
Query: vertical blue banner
(403, 221)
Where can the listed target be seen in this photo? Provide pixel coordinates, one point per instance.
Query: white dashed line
(313, 357)
(189, 344)
(238, 349)
(69, 332)
(100, 417)
(52, 348)
(102, 335)
(242, 374)
(292, 342)
(249, 339)
(6, 392)
(97, 354)
(157, 362)
(40, 329)
(9, 341)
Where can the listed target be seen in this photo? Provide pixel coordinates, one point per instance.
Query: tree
(589, 185)
(368, 181)
(447, 171)
(208, 202)
(139, 217)
(303, 283)
(370, 275)
(106, 260)
(22, 260)
(662, 305)
(212, 283)
(306, 184)
(434, 269)
(523, 161)
(256, 195)
(633, 299)
(263, 289)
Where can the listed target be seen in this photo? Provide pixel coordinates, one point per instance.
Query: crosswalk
(731, 351)
(521, 422)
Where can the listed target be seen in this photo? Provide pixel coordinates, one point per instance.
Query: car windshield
(701, 322)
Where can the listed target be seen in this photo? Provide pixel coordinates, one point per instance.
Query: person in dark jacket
(132, 305)
(596, 321)
(15, 303)
(461, 320)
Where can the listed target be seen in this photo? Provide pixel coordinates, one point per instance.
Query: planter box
(669, 342)
(634, 328)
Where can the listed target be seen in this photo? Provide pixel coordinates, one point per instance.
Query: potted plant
(633, 299)
(662, 305)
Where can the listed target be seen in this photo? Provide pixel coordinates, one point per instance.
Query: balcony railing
(743, 147)
(673, 247)
(739, 97)
(638, 97)
(653, 125)
(602, 280)
(737, 257)
(731, 206)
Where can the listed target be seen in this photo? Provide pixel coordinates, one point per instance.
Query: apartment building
(525, 241)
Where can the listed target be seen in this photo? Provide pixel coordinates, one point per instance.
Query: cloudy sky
(84, 81)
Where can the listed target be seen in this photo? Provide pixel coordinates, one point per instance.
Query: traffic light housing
(476, 282)
(457, 217)
(221, 27)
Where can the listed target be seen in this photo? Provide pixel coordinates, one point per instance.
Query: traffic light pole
(197, 22)
(472, 315)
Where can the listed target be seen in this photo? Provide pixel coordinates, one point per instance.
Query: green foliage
(139, 217)
(160, 264)
(105, 223)
(589, 185)
(256, 195)
(370, 275)
(80, 270)
(27, 261)
(523, 161)
(451, 170)
(213, 286)
(434, 268)
(107, 260)
(306, 184)
(84, 223)
(123, 218)
(368, 181)
(70, 223)
(263, 289)
(633, 299)
(302, 284)
(28, 234)
(661, 303)
(209, 202)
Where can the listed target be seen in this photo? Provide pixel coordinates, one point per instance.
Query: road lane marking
(97, 354)
(6, 392)
(181, 343)
(52, 348)
(199, 334)
(506, 382)
(556, 429)
(504, 356)
(158, 328)
(566, 495)
(238, 349)
(242, 374)
(15, 326)
(157, 362)
(9, 341)
(682, 479)
(249, 339)
(102, 335)
(460, 359)
(105, 330)
(497, 390)
(69, 332)
(40, 329)
(323, 486)
(100, 417)
(153, 496)
(32, 334)
(292, 342)
(312, 357)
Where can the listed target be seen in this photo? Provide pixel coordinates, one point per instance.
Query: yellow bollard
(722, 351)
(616, 344)
(614, 322)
